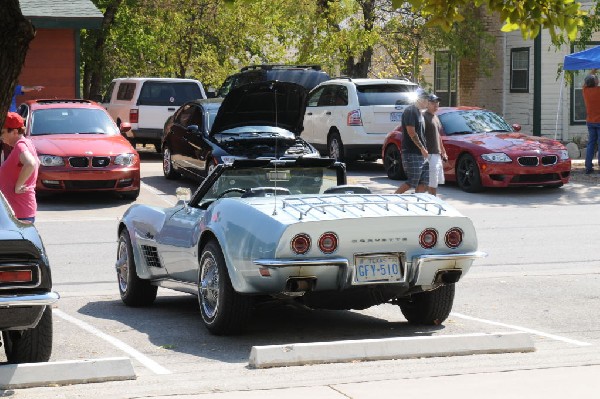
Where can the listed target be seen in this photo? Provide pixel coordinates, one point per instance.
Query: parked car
(485, 151)
(294, 229)
(80, 148)
(347, 119)
(26, 292)
(146, 103)
(257, 120)
(307, 76)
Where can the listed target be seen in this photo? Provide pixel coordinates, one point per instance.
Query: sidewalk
(578, 173)
(551, 383)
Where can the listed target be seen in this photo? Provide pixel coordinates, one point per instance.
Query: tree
(14, 43)
(559, 17)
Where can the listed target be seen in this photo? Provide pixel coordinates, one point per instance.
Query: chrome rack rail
(303, 205)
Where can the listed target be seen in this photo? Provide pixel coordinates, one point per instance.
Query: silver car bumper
(29, 300)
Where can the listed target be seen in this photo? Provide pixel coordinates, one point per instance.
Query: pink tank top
(24, 205)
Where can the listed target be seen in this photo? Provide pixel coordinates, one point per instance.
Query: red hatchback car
(485, 151)
(80, 148)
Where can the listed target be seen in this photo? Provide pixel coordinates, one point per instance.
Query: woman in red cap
(18, 172)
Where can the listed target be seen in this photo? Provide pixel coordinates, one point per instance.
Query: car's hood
(81, 144)
(271, 103)
(509, 142)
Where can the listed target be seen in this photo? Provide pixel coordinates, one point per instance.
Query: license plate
(395, 116)
(377, 268)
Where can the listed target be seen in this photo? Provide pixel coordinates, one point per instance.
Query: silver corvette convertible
(295, 230)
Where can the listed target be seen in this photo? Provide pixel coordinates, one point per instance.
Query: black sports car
(257, 120)
(26, 292)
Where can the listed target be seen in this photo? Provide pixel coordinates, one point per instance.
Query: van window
(386, 94)
(125, 92)
(109, 93)
(168, 93)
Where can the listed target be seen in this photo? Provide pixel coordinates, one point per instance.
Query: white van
(147, 103)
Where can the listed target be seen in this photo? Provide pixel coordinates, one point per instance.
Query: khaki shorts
(436, 170)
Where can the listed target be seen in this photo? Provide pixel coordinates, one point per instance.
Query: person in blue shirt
(19, 91)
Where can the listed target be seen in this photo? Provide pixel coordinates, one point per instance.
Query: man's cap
(433, 98)
(13, 121)
(590, 81)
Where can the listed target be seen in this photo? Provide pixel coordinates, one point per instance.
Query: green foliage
(559, 17)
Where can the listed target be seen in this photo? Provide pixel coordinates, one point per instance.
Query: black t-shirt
(412, 116)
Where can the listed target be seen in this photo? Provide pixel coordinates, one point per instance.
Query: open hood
(271, 103)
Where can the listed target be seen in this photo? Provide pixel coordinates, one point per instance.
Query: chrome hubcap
(122, 265)
(209, 286)
(334, 149)
(167, 161)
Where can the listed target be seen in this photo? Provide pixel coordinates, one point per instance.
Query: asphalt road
(542, 276)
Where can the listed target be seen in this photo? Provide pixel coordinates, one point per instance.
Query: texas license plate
(395, 116)
(377, 269)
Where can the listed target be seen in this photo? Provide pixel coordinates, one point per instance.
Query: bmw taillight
(428, 238)
(300, 243)
(354, 118)
(133, 116)
(454, 237)
(328, 242)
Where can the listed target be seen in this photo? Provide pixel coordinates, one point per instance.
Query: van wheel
(335, 147)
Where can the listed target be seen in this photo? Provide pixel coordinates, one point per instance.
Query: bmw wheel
(134, 291)
(32, 345)
(429, 307)
(467, 174)
(223, 310)
(392, 162)
(168, 169)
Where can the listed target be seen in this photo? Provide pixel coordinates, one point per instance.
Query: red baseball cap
(13, 121)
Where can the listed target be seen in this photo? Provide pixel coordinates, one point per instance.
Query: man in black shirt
(435, 146)
(414, 150)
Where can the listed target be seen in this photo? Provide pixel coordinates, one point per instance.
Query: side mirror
(516, 127)
(194, 129)
(125, 127)
(211, 93)
(183, 194)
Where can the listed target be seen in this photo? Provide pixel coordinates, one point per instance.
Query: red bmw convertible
(485, 151)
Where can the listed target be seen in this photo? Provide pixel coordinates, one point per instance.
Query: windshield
(475, 121)
(72, 121)
(386, 94)
(305, 180)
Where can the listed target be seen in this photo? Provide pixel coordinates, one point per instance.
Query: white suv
(348, 119)
(147, 103)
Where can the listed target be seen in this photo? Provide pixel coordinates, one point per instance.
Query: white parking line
(157, 192)
(524, 329)
(145, 360)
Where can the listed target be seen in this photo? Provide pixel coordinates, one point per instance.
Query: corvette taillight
(133, 116)
(328, 242)
(301, 243)
(428, 238)
(354, 118)
(454, 237)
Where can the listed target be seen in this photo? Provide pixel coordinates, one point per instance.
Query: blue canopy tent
(586, 59)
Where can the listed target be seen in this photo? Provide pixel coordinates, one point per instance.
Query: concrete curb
(391, 348)
(27, 375)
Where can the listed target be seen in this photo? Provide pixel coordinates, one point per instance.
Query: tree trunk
(16, 33)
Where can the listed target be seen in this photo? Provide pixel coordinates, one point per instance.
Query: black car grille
(89, 184)
(541, 178)
(151, 255)
(84, 162)
(546, 160)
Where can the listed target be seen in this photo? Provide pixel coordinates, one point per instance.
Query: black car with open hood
(257, 120)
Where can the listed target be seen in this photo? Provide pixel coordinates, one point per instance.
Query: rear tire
(32, 345)
(335, 147)
(429, 307)
(392, 162)
(134, 291)
(223, 310)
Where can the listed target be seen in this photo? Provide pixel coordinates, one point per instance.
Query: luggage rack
(304, 205)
